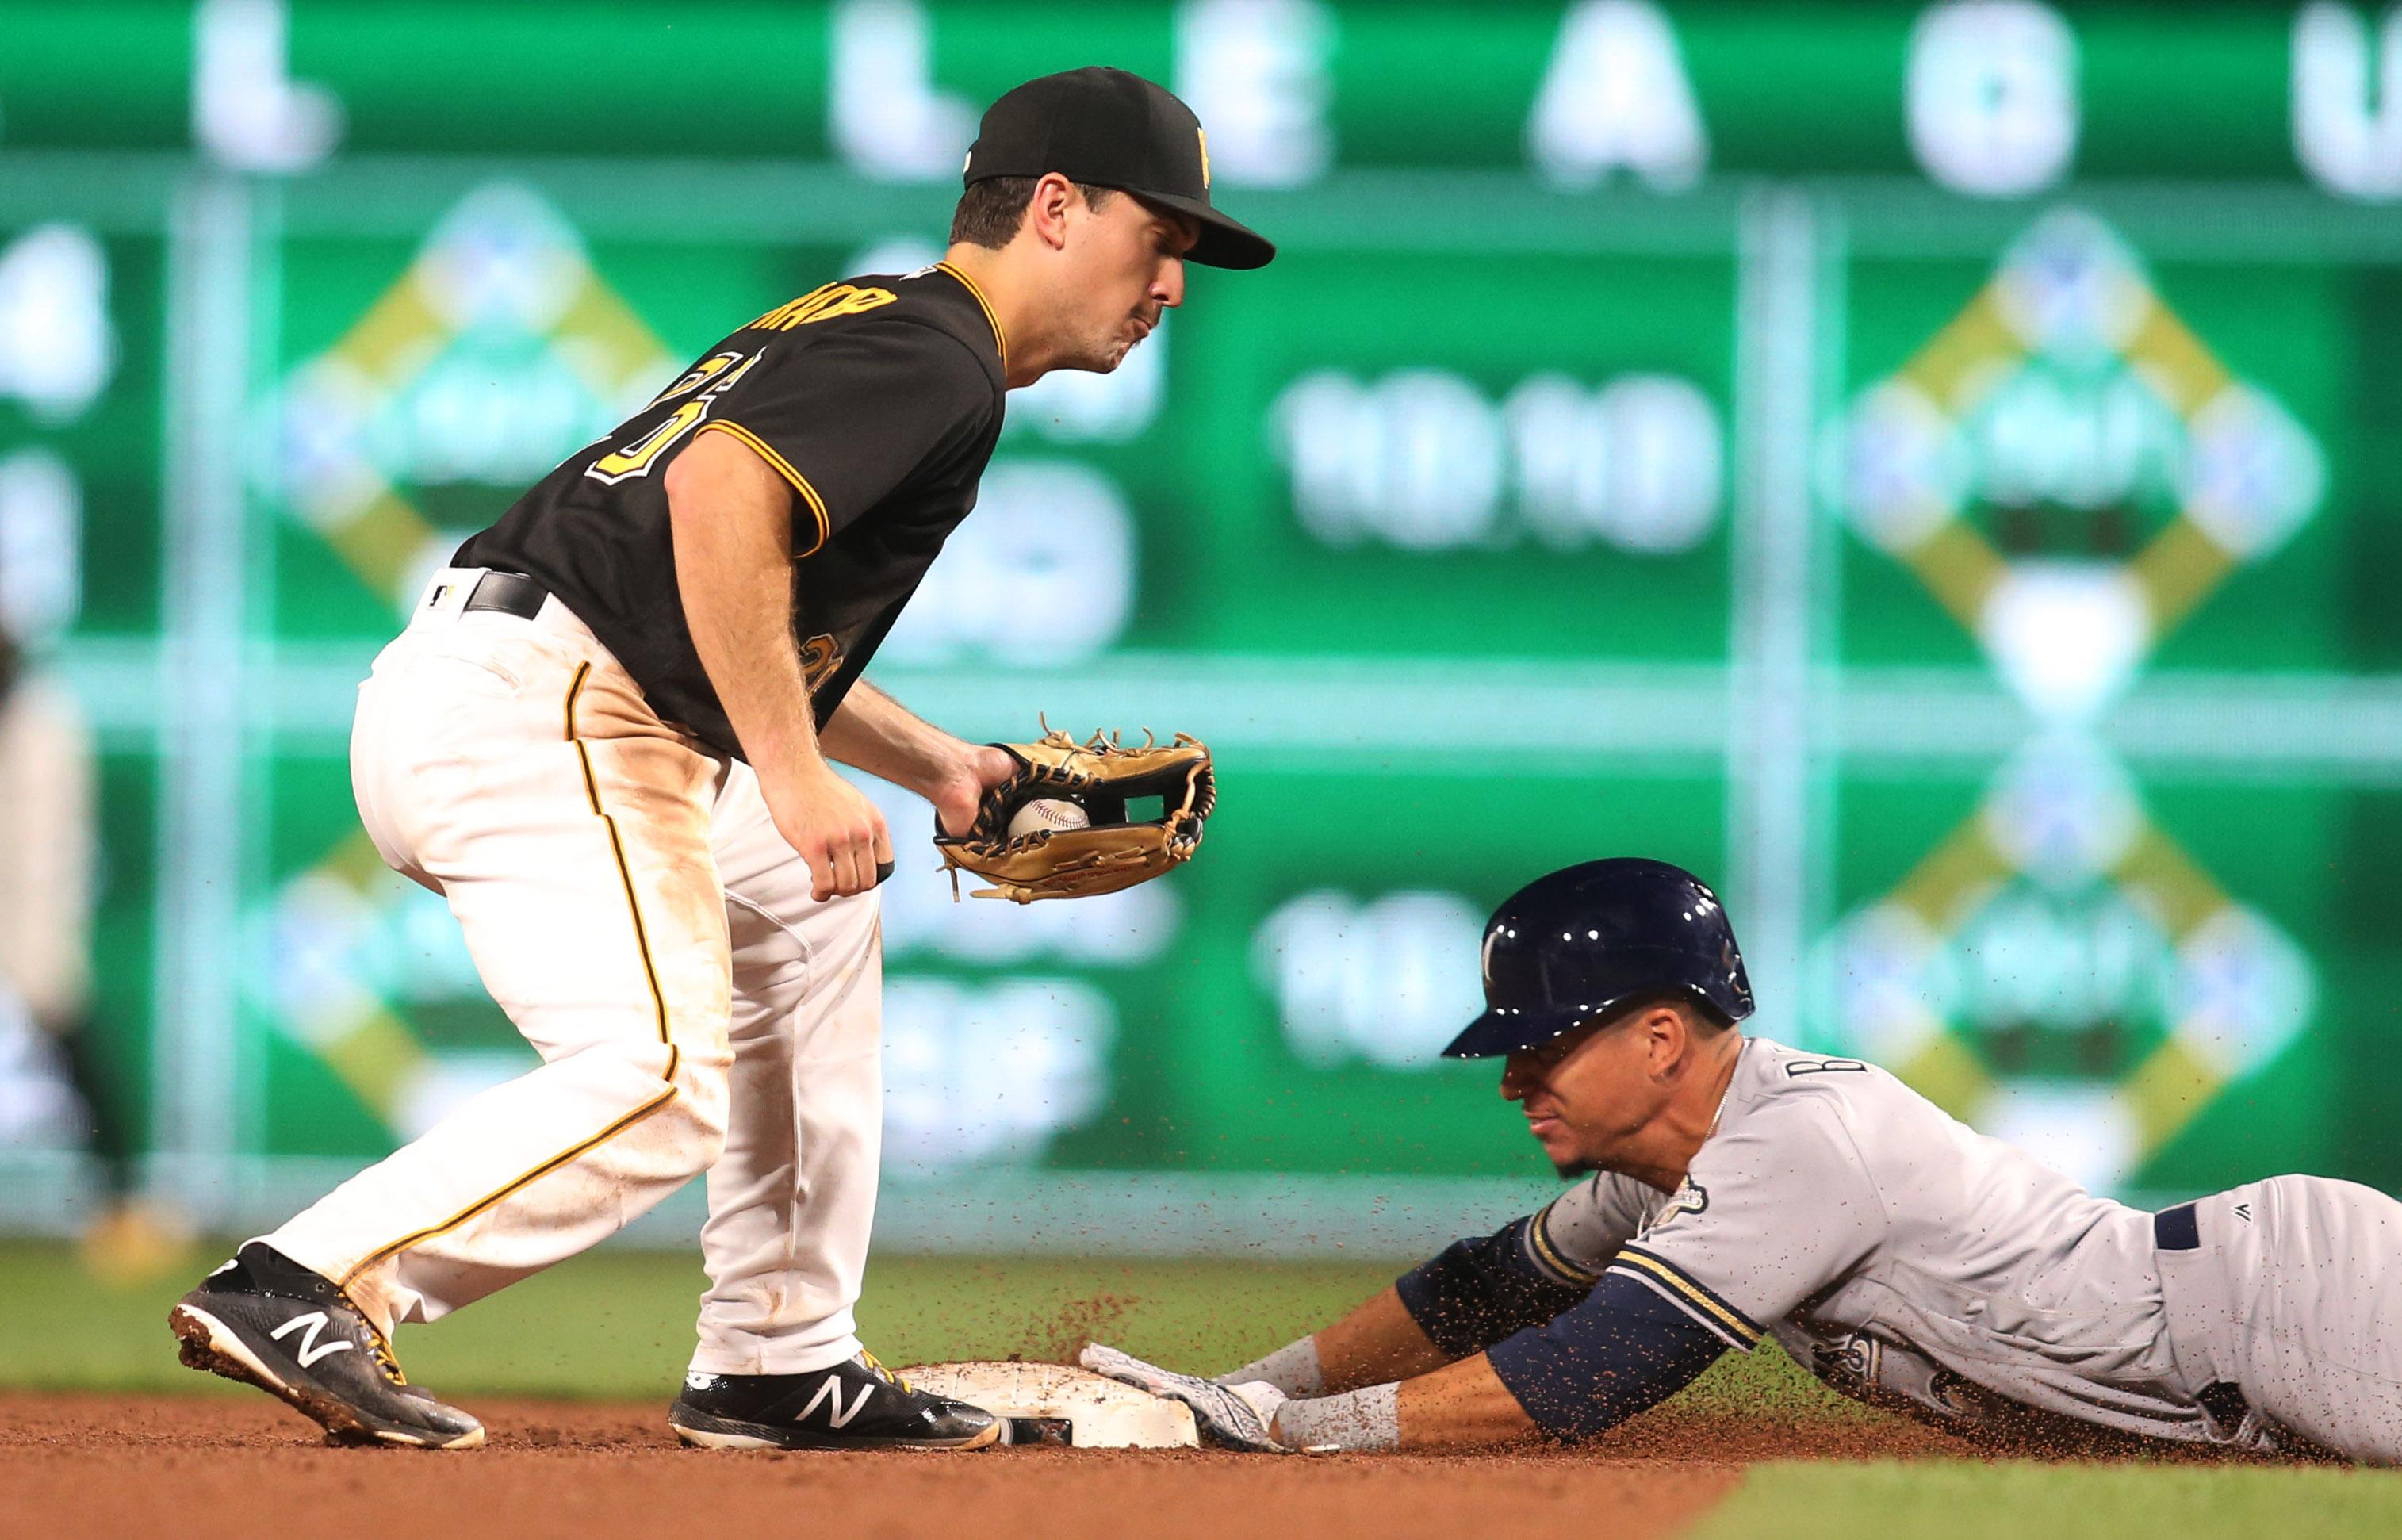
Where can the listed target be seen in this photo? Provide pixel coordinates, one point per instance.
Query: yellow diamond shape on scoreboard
(2069, 392)
(2058, 893)
(496, 354)
(2069, 395)
(493, 355)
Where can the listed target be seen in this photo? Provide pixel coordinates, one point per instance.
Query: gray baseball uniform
(1913, 1262)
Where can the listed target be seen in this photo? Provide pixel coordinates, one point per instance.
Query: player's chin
(1560, 1149)
(1099, 361)
(1123, 344)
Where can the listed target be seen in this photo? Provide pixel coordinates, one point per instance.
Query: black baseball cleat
(859, 1404)
(267, 1320)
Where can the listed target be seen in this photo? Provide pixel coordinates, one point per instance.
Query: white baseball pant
(2292, 1295)
(629, 903)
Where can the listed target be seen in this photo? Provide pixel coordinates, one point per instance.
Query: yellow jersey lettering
(822, 304)
(708, 369)
(636, 458)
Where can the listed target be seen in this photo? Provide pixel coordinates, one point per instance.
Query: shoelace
(379, 1345)
(884, 1374)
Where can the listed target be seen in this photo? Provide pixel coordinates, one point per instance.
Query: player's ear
(1665, 1037)
(1046, 212)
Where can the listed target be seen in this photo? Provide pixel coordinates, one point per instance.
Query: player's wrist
(799, 763)
(1367, 1419)
(956, 780)
(796, 785)
(1293, 1369)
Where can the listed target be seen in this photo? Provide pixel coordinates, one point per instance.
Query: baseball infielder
(604, 738)
(1741, 1188)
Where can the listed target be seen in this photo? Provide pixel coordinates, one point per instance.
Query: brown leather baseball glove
(1101, 776)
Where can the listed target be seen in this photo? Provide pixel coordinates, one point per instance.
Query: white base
(1035, 1400)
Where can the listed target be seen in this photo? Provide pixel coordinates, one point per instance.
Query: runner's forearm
(1462, 1406)
(1375, 1343)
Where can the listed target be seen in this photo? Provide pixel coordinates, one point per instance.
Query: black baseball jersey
(880, 399)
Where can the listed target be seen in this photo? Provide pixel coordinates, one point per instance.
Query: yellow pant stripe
(624, 872)
(666, 1094)
(658, 1000)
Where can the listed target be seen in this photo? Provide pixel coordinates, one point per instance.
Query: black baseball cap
(1107, 128)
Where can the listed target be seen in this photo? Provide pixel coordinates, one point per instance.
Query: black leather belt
(2179, 1228)
(510, 593)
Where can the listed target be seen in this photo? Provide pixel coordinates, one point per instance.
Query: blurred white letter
(1993, 95)
(1616, 95)
(247, 108)
(41, 546)
(1254, 71)
(889, 121)
(56, 345)
(2346, 134)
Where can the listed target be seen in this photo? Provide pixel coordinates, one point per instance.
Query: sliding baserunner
(1740, 1190)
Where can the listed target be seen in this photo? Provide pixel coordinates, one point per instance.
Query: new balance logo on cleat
(832, 1390)
(267, 1320)
(311, 1349)
(857, 1404)
(2243, 1212)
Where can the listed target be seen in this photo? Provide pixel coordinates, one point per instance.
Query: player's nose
(1168, 287)
(1518, 1077)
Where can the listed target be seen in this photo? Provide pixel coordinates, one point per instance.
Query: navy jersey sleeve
(1478, 1291)
(1619, 1351)
(848, 413)
(1481, 1290)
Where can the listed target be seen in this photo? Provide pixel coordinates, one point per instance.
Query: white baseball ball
(1048, 816)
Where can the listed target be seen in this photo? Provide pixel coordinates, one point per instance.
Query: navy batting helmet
(1591, 939)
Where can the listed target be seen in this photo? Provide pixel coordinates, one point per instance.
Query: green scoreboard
(1934, 470)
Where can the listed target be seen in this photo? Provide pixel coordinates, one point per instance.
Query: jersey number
(713, 377)
(1796, 1068)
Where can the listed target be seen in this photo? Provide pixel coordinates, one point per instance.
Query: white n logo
(311, 1349)
(836, 1415)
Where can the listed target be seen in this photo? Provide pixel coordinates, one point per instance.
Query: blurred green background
(1930, 469)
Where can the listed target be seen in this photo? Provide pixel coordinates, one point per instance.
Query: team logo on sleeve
(1691, 1197)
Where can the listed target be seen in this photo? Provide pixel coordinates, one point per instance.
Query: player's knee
(682, 1089)
(702, 1091)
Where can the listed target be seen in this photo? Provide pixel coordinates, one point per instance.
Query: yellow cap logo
(1203, 135)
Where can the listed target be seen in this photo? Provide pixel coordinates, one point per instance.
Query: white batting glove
(1239, 1417)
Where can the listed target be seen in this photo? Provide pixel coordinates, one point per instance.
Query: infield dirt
(76, 1463)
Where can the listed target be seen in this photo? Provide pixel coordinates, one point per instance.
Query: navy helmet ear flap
(1594, 938)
